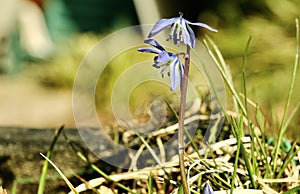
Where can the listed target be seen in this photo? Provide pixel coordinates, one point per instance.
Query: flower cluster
(180, 31)
(165, 60)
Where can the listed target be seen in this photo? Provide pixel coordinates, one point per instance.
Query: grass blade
(150, 183)
(224, 73)
(239, 141)
(155, 157)
(45, 166)
(288, 100)
(290, 156)
(294, 190)
(61, 174)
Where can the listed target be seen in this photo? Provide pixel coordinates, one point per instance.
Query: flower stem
(184, 84)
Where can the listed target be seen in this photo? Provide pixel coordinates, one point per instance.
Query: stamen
(171, 35)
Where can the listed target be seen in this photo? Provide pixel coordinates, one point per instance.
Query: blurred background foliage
(75, 26)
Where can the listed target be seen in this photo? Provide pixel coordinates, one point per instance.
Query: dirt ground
(25, 103)
(29, 114)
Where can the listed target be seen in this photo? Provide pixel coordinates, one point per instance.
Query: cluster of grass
(248, 161)
(272, 48)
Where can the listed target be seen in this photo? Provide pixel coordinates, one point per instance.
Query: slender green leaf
(283, 124)
(45, 166)
(294, 190)
(150, 183)
(61, 174)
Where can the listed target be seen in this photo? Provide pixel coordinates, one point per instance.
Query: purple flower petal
(154, 43)
(181, 31)
(186, 36)
(174, 74)
(163, 57)
(149, 50)
(207, 189)
(181, 67)
(165, 61)
(192, 36)
(160, 25)
(202, 25)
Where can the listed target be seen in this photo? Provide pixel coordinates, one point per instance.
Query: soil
(21, 162)
(29, 114)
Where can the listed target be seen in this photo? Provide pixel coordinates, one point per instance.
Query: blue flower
(166, 61)
(181, 31)
(207, 189)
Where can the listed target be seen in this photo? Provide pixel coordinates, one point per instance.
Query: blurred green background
(75, 26)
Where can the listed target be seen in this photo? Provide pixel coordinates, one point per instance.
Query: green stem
(184, 85)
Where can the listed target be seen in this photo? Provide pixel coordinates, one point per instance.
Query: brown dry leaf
(266, 188)
(104, 189)
(141, 174)
(2, 191)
